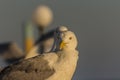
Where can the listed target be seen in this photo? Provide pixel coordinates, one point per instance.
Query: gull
(58, 65)
(67, 57)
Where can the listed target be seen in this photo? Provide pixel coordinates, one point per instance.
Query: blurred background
(95, 22)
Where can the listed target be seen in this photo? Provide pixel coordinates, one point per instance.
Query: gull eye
(70, 38)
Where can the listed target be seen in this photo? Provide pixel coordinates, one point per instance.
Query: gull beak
(62, 44)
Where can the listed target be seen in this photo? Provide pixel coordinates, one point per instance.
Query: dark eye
(70, 38)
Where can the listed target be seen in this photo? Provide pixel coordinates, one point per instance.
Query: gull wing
(36, 68)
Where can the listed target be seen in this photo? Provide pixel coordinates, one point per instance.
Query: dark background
(95, 22)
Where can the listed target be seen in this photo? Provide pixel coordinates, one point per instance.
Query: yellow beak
(62, 44)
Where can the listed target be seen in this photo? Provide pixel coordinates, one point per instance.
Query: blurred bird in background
(41, 18)
(10, 53)
(49, 42)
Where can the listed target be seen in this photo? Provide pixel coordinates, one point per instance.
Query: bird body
(65, 65)
(48, 66)
(36, 68)
(58, 65)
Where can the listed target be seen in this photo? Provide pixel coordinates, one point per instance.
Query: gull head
(62, 29)
(68, 41)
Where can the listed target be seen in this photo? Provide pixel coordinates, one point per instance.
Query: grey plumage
(28, 69)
